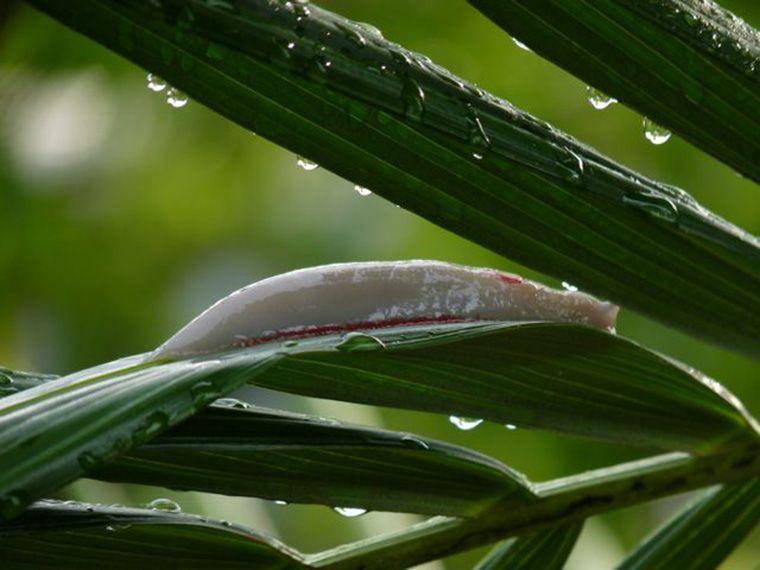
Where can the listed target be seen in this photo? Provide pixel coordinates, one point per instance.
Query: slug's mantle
(371, 295)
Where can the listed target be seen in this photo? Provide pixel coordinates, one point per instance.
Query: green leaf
(12, 381)
(56, 432)
(689, 66)
(393, 121)
(303, 459)
(704, 533)
(562, 500)
(546, 549)
(562, 377)
(78, 536)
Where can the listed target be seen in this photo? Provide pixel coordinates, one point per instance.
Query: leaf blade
(73, 536)
(547, 549)
(303, 459)
(686, 65)
(704, 533)
(538, 196)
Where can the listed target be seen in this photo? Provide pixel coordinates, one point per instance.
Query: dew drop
(350, 512)
(477, 156)
(280, 502)
(597, 99)
(231, 403)
(166, 505)
(510, 426)
(361, 190)
(568, 287)
(521, 45)
(306, 164)
(654, 132)
(176, 98)
(465, 423)
(155, 83)
(356, 341)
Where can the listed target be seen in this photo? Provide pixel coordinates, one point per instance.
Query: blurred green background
(122, 218)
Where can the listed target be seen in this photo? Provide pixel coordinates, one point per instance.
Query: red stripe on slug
(508, 278)
(317, 330)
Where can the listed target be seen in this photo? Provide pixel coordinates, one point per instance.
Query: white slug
(365, 296)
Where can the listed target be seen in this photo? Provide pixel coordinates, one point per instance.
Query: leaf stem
(575, 497)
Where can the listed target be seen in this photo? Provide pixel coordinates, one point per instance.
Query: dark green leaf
(690, 66)
(546, 549)
(75, 536)
(704, 533)
(57, 431)
(393, 121)
(561, 377)
(297, 458)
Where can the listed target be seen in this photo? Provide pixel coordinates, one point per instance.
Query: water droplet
(176, 98)
(654, 132)
(231, 403)
(203, 393)
(414, 442)
(414, 99)
(568, 287)
(350, 511)
(155, 83)
(465, 423)
(280, 502)
(154, 424)
(372, 30)
(510, 426)
(654, 204)
(597, 99)
(356, 341)
(166, 505)
(477, 156)
(361, 190)
(306, 164)
(521, 45)
(290, 343)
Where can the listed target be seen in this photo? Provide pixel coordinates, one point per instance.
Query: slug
(364, 296)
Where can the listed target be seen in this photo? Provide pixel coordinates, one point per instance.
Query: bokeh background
(121, 218)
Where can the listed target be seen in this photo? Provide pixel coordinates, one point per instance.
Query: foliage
(392, 120)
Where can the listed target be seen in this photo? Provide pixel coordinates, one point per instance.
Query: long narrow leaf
(704, 533)
(57, 431)
(561, 377)
(297, 458)
(76, 536)
(690, 66)
(546, 549)
(393, 121)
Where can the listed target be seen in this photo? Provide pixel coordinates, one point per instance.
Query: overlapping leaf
(297, 458)
(395, 122)
(76, 536)
(562, 377)
(704, 533)
(688, 65)
(547, 549)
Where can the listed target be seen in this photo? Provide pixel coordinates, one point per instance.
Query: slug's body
(366, 296)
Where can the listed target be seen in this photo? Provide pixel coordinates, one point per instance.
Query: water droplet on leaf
(155, 83)
(231, 403)
(356, 341)
(306, 164)
(510, 426)
(465, 423)
(166, 505)
(654, 132)
(597, 99)
(568, 287)
(176, 98)
(350, 511)
(361, 190)
(521, 45)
